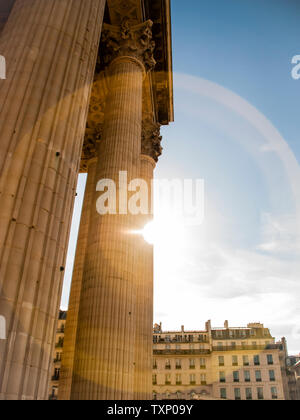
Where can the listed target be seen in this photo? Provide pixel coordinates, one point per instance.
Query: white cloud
(280, 234)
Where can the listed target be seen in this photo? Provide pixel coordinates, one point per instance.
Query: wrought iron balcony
(180, 352)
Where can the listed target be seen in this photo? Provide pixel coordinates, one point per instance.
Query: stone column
(105, 349)
(151, 150)
(66, 372)
(50, 48)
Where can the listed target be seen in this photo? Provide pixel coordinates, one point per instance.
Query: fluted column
(151, 150)
(50, 48)
(105, 348)
(66, 372)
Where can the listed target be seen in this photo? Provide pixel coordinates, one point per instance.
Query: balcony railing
(248, 347)
(181, 352)
(184, 340)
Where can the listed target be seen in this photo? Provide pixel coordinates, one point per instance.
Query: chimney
(226, 325)
(182, 328)
(208, 326)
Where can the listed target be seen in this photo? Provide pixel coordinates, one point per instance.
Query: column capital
(132, 42)
(151, 140)
(89, 152)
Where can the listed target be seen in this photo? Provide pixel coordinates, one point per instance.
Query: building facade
(293, 375)
(218, 363)
(213, 364)
(57, 355)
(88, 86)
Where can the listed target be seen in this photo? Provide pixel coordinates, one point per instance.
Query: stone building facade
(57, 355)
(218, 363)
(212, 364)
(89, 84)
(293, 376)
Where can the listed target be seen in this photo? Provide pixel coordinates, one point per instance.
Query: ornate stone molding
(92, 138)
(151, 140)
(129, 41)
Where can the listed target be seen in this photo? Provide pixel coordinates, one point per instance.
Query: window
(154, 379)
(248, 394)
(247, 376)
(272, 375)
(270, 359)
(178, 346)
(168, 364)
(260, 393)
(222, 377)
(237, 393)
(246, 360)
(168, 379)
(221, 361)
(191, 346)
(274, 393)
(168, 347)
(220, 345)
(235, 361)
(203, 379)
(154, 364)
(192, 363)
(223, 393)
(258, 375)
(178, 395)
(256, 360)
(178, 379)
(56, 374)
(168, 338)
(202, 363)
(236, 376)
(244, 344)
(191, 338)
(178, 364)
(233, 344)
(193, 379)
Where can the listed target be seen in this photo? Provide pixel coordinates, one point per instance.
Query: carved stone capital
(92, 138)
(151, 140)
(129, 41)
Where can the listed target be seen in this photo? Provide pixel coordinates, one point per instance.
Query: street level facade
(88, 86)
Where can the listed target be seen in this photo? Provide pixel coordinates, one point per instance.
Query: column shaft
(50, 47)
(104, 357)
(144, 331)
(66, 372)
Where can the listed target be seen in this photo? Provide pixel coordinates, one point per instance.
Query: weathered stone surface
(50, 48)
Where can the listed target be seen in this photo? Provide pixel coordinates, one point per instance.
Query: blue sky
(236, 126)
